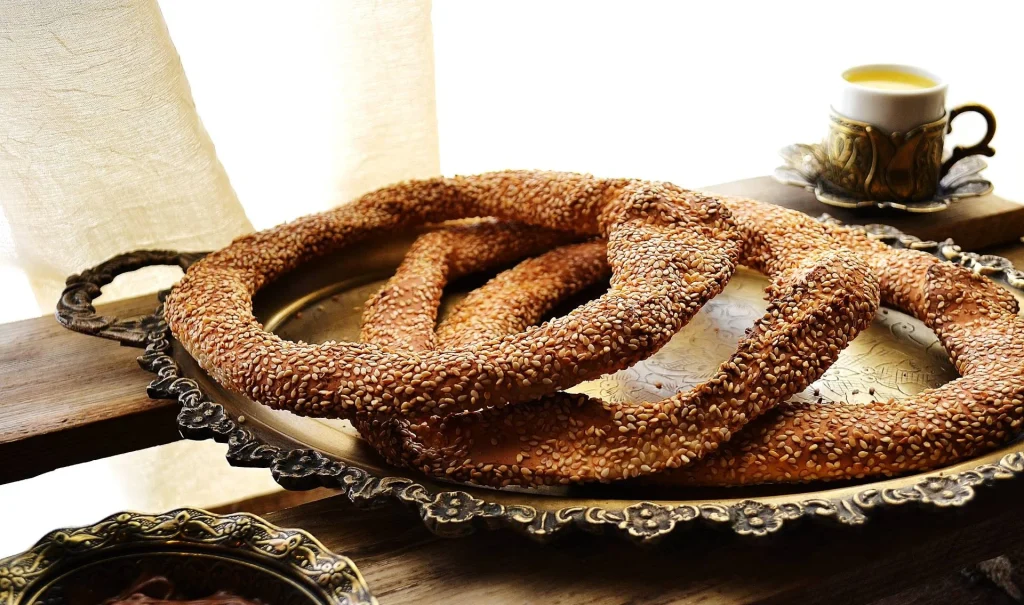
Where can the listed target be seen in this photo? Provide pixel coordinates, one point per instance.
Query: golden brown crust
(402, 315)
(976, 321)
(512, 301)
(819, 302)
(520, 297)
(670, 250)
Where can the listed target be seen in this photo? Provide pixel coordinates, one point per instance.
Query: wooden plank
(812, 563)
(274, 501)
(963, 587)
(973, 223)
(67, 398)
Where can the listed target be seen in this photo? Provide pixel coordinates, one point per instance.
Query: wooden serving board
(973, 223)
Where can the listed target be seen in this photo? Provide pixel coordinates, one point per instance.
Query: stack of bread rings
(480, 398)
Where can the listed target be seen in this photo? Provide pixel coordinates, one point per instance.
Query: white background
(700, 93)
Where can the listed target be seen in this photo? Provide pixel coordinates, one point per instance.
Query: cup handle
(980, 148)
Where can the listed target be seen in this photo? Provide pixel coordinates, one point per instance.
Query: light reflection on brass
(868, 163)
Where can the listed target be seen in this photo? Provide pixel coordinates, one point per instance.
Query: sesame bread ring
(670, 251)
(523, 295)
(819, 301)
(976, 321)
(402, 315)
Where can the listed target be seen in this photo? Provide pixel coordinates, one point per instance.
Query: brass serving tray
(896, 357)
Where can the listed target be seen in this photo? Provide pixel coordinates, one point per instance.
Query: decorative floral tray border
(287, 553)
(457, 513)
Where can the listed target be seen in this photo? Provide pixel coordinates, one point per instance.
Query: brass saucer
(805, 167)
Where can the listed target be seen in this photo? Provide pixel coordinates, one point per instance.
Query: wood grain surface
(974, 223)
(67, 398)
(812, 563)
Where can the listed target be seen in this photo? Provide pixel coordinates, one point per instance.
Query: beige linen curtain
(102, 149)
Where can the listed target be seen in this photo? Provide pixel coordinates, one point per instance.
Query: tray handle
(76, 312)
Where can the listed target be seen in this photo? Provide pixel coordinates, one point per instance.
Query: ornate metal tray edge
(458, 513)
(283, 552)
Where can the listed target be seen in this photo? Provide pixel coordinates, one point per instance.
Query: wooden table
(67, 398)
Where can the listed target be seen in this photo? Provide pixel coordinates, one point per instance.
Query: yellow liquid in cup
(887, 79)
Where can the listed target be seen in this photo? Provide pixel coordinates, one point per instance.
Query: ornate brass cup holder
(861, 165)
(196, 552)
(897, 356)
(807, 166)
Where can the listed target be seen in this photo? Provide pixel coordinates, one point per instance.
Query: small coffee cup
(886, 134)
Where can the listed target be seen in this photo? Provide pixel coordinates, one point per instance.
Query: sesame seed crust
(402, 315)
(510, 302)
(820, 299)
(670, 251)
(521, 296)
(975, 320)
(977, 323)
(438, 402)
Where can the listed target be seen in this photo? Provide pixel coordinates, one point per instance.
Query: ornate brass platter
(896, 357)
(189, 551)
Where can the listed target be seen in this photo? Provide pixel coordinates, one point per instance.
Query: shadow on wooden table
(809, 563)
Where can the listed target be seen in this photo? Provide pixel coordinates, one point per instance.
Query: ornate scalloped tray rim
(292, 553)
(458, 513)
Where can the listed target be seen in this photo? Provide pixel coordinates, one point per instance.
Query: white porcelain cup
(890, 110)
